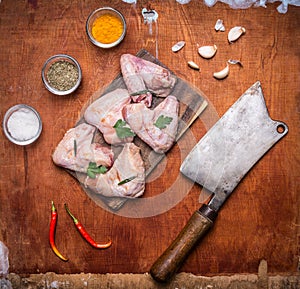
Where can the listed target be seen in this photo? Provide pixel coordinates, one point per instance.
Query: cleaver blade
(233, 145)
(218, 162)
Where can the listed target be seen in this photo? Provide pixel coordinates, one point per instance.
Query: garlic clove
(207, 51)
(235, 61)
(219, 26)
(179, 45)
(235, 33)
(222, 73)
(193, 65)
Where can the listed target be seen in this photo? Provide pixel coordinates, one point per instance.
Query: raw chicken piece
(141, 120)
(128, 166)
(76, 150)
(106, 111)
(143, 77)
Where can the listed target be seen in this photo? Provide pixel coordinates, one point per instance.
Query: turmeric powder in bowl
(106, 27)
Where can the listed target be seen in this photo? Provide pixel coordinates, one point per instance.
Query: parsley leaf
(163, 121)
(93, 170)
(122, 130)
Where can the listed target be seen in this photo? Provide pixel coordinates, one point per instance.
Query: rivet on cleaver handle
(171, 260)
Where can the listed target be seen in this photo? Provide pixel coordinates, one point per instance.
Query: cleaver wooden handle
(171, 260)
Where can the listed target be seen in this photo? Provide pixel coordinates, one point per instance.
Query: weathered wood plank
(259, 221)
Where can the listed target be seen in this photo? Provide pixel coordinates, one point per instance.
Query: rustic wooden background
(260, 220)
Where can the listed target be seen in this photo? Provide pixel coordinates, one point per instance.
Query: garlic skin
(235, 61)
(235, 33)
(193, 65)
(219, 26)
(179, 45)
(222, 73)
(207, 51)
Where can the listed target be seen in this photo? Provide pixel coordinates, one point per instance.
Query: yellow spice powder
(107, 28)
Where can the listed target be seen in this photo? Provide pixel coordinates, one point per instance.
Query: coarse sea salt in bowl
(22, 124)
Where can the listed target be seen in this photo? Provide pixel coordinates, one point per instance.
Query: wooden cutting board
(191, 104)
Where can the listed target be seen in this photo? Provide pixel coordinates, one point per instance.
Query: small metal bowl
(56, 58)
(100, 12)
(10, 123)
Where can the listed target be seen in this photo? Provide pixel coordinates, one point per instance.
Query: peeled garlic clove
(235, 33)
(223, 73)
(179, 45)
(193, 65)
(207, 51)
(219, 25)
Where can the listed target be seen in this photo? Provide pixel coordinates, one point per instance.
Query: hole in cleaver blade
(233, 145)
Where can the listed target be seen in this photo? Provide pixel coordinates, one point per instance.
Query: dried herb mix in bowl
(62, 75)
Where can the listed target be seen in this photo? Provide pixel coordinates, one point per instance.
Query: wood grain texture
(259, 221)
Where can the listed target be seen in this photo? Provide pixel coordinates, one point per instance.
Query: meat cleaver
(218, 162)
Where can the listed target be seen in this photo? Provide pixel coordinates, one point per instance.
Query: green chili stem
(72, 216)
(53, 209)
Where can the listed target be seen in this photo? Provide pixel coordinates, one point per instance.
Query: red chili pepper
(52, 232)
(84, 233)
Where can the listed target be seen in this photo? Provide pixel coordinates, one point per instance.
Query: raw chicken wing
(106, 111)
(126, 178)
(143, 77)
(142, 121)
(76, 150)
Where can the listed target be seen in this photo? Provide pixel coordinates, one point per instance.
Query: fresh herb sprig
(75, 148)
(139, 92)
(163, 121)
(93, 170)
(122, 130)
(125, 181)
